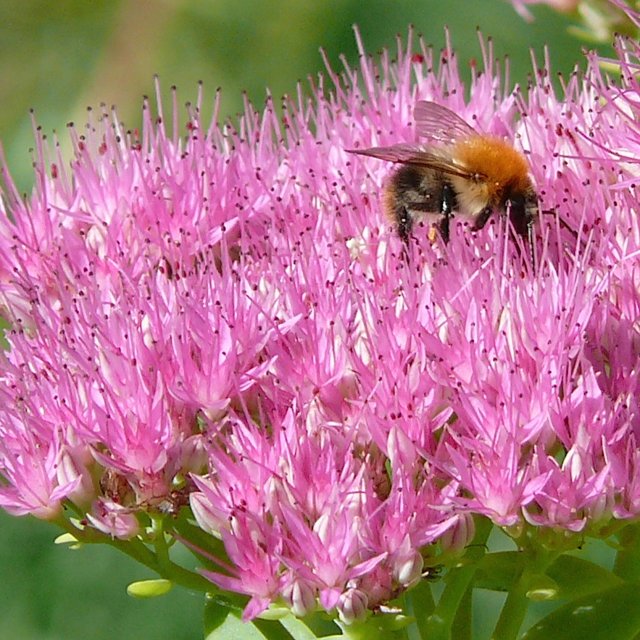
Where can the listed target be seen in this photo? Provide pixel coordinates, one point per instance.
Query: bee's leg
(482, 219)
(443, 227)
(524, 228)
(522, 223)
(405, 223)
(531, 241)
(447, 203)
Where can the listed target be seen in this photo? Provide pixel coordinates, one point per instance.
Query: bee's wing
(404, 153)
(441, 126)
(417, 156)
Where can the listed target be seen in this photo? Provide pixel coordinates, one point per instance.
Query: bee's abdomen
(410, 193)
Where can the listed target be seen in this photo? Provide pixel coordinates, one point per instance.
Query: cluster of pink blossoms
(225, 322)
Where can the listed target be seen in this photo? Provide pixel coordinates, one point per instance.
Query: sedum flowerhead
(219, 330)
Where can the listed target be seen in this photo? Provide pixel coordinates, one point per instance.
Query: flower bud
(113, 519)
(459, 535)
(71, 469)
(352, 606)
(409, 569)
(300, 597)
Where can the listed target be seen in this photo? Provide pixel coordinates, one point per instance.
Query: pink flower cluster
(225, 322)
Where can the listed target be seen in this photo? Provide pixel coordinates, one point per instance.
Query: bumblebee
(457, 170)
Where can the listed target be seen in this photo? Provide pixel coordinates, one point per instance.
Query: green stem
(140, 552)
(462, 628)
(512, 614)
(418, 603)
(440, 622)
(535, 563)
(160, 541)
(460, 579)
(169, 570)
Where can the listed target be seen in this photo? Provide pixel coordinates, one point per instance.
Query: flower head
(225, 325)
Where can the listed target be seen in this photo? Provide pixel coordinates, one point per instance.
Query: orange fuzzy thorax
(496, 161)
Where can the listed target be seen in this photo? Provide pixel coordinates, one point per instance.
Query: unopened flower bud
(352, 605)
(409, 569)
(300, 597)
(459, 535)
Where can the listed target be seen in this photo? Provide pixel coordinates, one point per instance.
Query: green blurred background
(58, 58)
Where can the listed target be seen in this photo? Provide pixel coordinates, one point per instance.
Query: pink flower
(113, 519)
(225, 325)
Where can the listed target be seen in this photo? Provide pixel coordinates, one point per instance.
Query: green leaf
(149, 588)
(499, 571)
(224, 624)
(68, 539)
(222, 621)
(610, 613)
(627, 564)
(272, 630)
(232, 628)
(576, 577)
(573, 576)
(321, 624)
(418, 602)
(216, 611)
(377, 626)
(297, 628)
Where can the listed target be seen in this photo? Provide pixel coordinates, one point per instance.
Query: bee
(456, 170)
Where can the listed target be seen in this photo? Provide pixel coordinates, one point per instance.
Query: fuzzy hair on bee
(457, 170)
